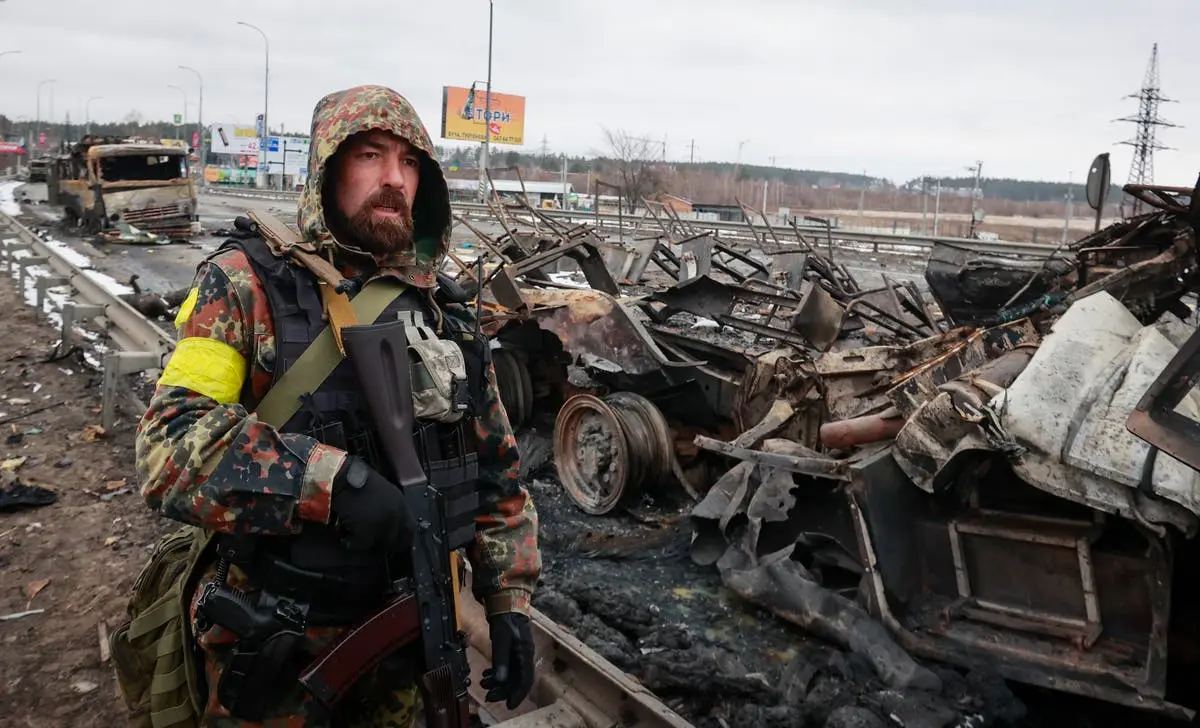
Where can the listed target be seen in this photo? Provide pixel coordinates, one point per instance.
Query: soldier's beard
(382, 235)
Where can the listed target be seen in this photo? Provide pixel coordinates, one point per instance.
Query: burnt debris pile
(923, 475)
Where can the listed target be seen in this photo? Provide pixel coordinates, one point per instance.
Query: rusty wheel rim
(591, 454)
(651, 446)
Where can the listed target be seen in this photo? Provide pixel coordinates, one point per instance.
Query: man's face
(374, 185)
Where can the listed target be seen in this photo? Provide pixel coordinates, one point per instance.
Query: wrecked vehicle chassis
(975, 543)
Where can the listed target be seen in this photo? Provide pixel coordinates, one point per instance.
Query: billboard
(228, 138)
(463, 112)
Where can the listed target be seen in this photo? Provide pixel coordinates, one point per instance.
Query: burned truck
(106, 183)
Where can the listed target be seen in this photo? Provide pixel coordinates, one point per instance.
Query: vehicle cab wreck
(108, 184)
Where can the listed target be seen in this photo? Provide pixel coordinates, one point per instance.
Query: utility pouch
(153, 652)
(439, 373)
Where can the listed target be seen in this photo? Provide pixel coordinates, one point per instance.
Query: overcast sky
(894, 87)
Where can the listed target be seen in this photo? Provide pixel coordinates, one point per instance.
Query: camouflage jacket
(204, 459)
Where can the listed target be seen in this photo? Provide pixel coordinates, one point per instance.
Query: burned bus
(104, 180)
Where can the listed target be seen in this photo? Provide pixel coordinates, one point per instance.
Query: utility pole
(200, 121)
(937, 207)
(924, 206)
(975, 194)
(87, 113)
(1070, 197)
(736, 166)
(487, 114)
(266, 132)
(37, 139)
(692, 156)
(862, 198)
(564, 182)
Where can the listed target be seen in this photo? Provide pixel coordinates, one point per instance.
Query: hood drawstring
(436, 309)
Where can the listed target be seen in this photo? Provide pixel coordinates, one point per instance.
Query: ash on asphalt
(625, 585)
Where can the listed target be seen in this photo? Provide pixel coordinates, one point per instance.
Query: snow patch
(8, 204)
(74, 257)
(107, 282)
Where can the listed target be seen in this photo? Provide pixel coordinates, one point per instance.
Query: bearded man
(285, 471)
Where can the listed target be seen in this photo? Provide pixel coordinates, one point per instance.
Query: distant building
(724, 213)
(536, 193)
(677, 204)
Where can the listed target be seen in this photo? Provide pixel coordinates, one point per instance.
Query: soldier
(292, 484)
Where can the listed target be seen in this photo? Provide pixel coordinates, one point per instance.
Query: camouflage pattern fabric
(204, 459)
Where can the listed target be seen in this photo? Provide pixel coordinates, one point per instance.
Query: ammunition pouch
(159, 673)
(439, 374)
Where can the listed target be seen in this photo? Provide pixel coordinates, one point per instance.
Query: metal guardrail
(140, 344)
(899, 243)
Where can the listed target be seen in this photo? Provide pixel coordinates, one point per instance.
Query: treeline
(540, 166)
(130, 126)
(1014, 190)
(1017, 190)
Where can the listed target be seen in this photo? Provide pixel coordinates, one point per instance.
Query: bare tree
(634, 158)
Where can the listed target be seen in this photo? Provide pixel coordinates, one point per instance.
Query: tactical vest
(336, 414)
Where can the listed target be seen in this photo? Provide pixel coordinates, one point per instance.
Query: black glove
(511, 673)
(370, 509)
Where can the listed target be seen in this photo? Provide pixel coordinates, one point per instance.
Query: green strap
(154, 617)
(166, 682)
(322, 355)
(181, 714)
(170, 642)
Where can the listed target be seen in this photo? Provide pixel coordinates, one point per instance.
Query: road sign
(178, 119)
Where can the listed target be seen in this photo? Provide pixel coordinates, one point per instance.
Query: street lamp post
(37, 139)
(87, 112)
(200, 115)
(262, 142)
(180, 89)
(487, 113)
(8, 53)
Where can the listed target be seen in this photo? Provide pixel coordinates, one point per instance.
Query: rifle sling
(322, 356)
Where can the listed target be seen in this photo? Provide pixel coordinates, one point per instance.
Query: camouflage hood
(337, 117)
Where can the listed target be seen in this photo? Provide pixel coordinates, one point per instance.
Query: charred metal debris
(939, 471)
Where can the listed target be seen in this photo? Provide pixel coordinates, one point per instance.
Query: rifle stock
(379, 355)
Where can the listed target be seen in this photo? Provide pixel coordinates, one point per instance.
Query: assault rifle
(426, 610)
